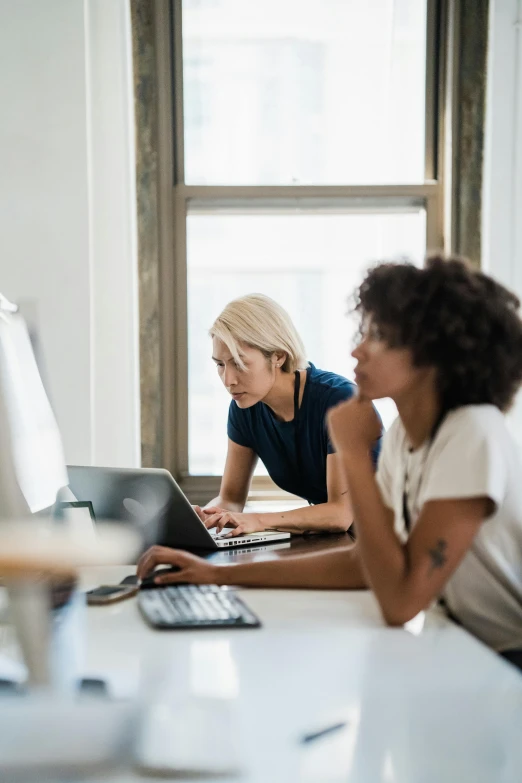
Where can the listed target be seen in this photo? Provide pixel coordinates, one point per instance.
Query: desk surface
(296, 545)
(421, 706)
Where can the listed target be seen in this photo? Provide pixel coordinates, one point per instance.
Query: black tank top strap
(297, 424)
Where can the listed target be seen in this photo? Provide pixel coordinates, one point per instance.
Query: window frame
(174, 197)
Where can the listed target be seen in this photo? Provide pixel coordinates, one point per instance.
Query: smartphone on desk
(110, 594)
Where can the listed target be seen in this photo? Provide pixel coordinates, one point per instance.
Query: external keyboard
(195, 606)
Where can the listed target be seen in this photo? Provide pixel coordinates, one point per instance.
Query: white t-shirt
(472, 455)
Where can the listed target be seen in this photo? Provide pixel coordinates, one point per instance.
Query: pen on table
(321, 732)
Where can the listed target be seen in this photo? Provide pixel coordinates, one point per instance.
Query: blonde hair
(261, 323)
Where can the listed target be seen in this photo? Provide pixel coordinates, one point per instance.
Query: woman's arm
(406, 578)
(239, 469)
(338, 569)
(334, 516)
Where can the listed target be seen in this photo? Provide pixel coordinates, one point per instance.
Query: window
(306, 137)
(287, 92)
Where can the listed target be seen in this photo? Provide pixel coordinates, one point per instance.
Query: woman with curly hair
(443, 515)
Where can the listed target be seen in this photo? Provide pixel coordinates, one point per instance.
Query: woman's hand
(354, 425)
(192, 569)
(241, 523)
(200, 512)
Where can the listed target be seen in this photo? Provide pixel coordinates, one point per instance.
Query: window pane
(310, 263)
(304, 91)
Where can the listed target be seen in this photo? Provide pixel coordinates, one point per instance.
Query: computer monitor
(32, 465)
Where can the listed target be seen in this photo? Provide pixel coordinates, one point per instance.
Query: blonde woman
(277, 414)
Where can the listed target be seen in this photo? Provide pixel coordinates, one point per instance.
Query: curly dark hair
(453, 318)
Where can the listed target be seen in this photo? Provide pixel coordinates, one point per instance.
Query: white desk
(426, 708)
(431, 707)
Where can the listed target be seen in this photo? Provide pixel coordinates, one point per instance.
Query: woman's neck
(280, 398)
(419, 410)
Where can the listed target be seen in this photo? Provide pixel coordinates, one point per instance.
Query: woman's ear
(279, 358)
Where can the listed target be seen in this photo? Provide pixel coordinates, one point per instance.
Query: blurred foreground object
(44, 739)
(46, 730)
(38, 564)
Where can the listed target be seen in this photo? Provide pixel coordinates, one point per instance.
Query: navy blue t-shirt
(274, 441)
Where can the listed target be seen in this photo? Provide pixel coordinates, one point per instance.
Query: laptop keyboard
(195, 606)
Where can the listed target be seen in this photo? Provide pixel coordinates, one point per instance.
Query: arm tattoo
(438, 554)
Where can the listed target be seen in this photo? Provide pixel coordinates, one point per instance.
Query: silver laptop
(151, 499)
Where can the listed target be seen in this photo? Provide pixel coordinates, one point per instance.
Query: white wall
(502, 222)
(67, 211)
(114, 279)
